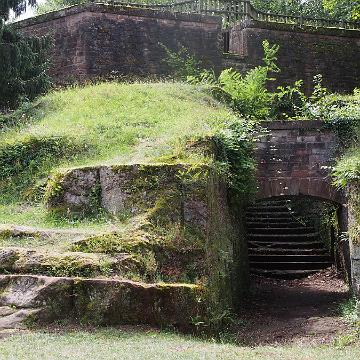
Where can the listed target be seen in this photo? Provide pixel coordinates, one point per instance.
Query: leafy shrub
(239, 165)
(289, 101)
(53, 5)
(23, 66)
(27, 154)
(246, 94)
(182, 63)
(343, 116)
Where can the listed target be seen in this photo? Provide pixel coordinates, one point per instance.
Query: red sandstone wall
(97, 40)
(303, 53)
(292, 160)
(100, 40)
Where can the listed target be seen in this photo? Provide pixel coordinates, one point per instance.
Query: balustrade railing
(233, 11)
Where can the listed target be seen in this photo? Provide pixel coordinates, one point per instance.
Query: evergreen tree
(23, 60)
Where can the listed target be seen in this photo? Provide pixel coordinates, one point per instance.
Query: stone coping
(119, 10)
(293, 124)
(248, 24)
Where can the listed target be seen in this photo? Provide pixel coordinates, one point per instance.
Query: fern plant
(246, 94)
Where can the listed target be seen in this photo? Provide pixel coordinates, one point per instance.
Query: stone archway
(295, 158)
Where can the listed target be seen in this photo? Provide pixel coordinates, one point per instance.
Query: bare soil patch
(302, 311)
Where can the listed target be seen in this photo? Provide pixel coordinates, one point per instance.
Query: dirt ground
(302, 311)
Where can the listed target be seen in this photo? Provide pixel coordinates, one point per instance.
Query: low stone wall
(98, 301)
(97, 40)
(188, 197)
(304, 52)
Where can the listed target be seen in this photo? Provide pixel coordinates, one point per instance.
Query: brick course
(304, 52)
(101, 40)
(294, 158)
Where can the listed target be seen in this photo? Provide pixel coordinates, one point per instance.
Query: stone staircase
(280, 245)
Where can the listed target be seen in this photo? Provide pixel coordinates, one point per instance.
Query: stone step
(270, 258)
(282, 251)
(29, 261)
(15, 231)
(278, 202)
(282, 237)
(286, 244)
(288, 265)
(282, 230)
(271, 219)
(272, 214)
(283, 274)
(96, 301)
(264, 208)
(13, 318)
(268, 225)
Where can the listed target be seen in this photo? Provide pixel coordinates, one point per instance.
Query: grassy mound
(106, 123)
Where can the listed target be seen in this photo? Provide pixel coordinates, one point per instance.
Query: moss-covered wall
(102, 301)
(354, 233)
(181, 207)
(226, 246)
(99, 40)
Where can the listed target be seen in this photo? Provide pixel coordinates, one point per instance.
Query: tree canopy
(23, 60)
(349, 9)
(337, 9)
(18, 6)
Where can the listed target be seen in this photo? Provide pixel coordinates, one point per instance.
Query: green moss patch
(25, 261)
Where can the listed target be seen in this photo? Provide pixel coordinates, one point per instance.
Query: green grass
(135, 344)
(105, 123)
(36, 215)
(122, 122)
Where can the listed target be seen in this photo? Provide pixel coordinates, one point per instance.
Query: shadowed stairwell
(281, 244)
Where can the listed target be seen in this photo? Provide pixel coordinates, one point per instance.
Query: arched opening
(295, 236)
(295, 254)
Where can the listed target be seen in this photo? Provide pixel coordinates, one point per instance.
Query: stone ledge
(102, 301)
(293, 124)
(253, 24)
(119, 10)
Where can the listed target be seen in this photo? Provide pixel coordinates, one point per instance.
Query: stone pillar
(354, 233)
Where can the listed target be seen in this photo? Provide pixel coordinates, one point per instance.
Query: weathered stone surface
(32, 291)
(294, 158)
(18, 318)
(135, 188)
(132, 190)
(81, 188)
(353, 193)
(304, 52)
(25, 261)
(101, 40)
(98, 301)
(107, 302)
(183, 206)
